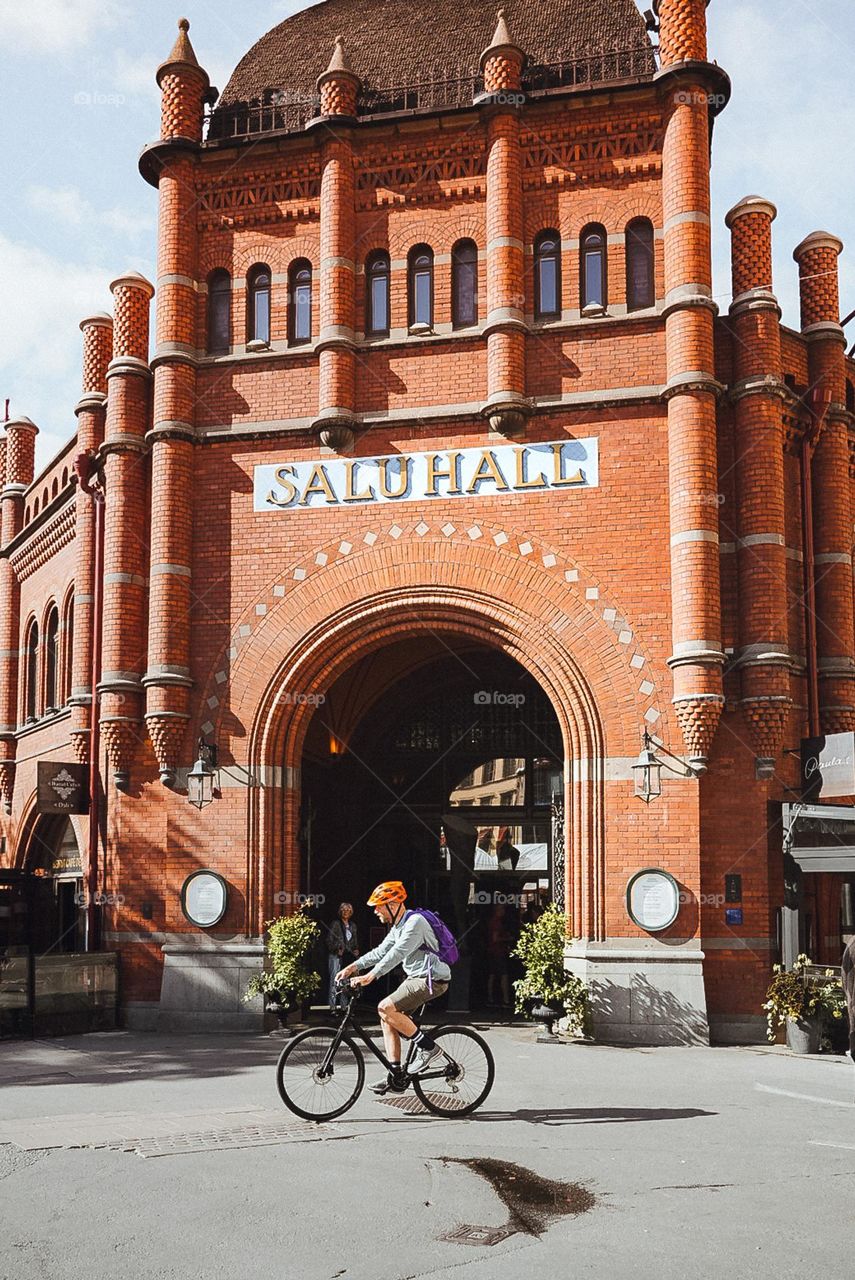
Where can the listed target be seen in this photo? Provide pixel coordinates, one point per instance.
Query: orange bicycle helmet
(388, 891)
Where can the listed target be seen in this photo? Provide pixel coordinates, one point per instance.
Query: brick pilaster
(18, 471)
(832, 515)
(336, 420)
(125, 550)
(90, 409)
(692, 389)
(760, 534)
(506, 407)
(167, 679)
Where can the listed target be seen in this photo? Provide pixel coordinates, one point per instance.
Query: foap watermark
(496, 698)
(292, 699)
(100, 899)
(503, 98)
(697, 98)
(283, 898)
(496, 898)
(96, 98)
(705, 497)
(702, 899)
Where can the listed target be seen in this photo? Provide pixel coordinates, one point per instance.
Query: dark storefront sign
(822, 837)
(828, 766)
(62, 788)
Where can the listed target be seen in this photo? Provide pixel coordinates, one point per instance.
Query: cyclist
(410, 942)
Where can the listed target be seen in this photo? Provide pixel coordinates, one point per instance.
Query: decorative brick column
(90, 409)
(167, 681)
(336, 420)
(757, 394)
(832, 515)
(506, 407)
(18, 471)
(687, 79)
(125, 552)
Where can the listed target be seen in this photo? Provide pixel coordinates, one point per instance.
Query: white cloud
(52, 26)
(68, 205)
(40, 341)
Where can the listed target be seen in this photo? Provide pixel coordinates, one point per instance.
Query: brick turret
(506, 407)
(336, 421)
(832, 516)
(18, 469)
(691, 391)
(90, 409)
(183, 86)
(760, 533)
(167, 678)
(125, 559)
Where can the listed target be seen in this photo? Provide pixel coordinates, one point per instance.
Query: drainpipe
(85, 465)
(820, 401)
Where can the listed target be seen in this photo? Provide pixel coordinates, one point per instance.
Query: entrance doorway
(439, 763)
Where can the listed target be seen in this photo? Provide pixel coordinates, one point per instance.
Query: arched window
(219, 311)
(592, 263)
(300, 301)
(421, 286)
(54, 489)
(258, 304)
(377, 293)
(640, 286)
(67, 648)
(464, 284)
(51, 657)
(31, 683)
(547, 275)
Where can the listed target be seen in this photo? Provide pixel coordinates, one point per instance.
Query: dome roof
(393, 42)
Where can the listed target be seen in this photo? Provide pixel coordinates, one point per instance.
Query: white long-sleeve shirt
(402, 945)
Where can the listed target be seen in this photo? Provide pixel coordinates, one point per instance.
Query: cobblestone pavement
(171, 1158)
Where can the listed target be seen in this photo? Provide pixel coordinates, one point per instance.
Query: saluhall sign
(444, 473)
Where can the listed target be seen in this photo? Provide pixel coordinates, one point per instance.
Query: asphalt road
(147, 1157)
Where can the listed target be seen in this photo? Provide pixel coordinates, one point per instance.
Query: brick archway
(329, 620)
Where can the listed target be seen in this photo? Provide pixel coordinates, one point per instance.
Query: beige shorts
(415, 991)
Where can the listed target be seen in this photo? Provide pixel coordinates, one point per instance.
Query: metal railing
(280, 110)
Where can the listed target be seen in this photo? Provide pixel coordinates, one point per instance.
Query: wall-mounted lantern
(200, 779)
(648, 768)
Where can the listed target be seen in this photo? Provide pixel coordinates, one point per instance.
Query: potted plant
(801, 1006)
(547, 991)
(286, 980)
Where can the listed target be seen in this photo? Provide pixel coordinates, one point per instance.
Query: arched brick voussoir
(394, 588)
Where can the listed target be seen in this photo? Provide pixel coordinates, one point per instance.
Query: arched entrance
(438, 761)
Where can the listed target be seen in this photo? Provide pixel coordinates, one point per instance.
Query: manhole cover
(413, 1106)
(176, 1144)
(467, 1234)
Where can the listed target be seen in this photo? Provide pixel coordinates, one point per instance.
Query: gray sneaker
(389, 1084)
(422, 1059)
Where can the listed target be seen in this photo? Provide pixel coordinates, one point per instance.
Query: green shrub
(541, 949)
(286, 972)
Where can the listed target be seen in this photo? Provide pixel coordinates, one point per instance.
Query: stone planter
(803, 1035)
(547, 1015)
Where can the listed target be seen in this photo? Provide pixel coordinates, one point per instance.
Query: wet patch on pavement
(532, 1201)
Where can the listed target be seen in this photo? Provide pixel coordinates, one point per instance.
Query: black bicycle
(321, 1071)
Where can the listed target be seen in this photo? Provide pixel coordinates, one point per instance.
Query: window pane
(261, 315)
(219, 316)
(640, 289)
(548, 278)
(303, 313)
(466, 288)
(379, 319)
(593, 277)
(421, 301)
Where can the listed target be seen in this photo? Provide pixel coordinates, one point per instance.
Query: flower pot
(546, 1014)
(803, 1035)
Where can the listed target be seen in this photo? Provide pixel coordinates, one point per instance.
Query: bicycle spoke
(304, 1084)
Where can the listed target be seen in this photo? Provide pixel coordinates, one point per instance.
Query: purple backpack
(446, 950)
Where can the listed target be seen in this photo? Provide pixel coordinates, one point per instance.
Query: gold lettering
(349, 494)
(522, 482)
(559, 479)
(318, 482)
(284, 478)
(434, 473)
(487, 469)
(403, 477)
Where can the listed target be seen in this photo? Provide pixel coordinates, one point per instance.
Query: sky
(79, 101)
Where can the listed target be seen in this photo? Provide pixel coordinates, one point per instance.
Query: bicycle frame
(349, 1020)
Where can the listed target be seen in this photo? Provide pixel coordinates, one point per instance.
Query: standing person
(411, 943)
(499, 939)
(848, 970)
(343, 947)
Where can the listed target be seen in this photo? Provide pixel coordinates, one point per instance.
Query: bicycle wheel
(459, 1082)
(303, 1085)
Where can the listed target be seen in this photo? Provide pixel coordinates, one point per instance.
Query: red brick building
(441, 479)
